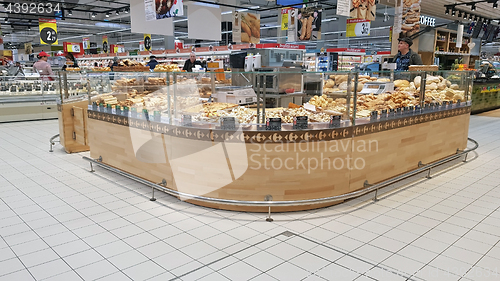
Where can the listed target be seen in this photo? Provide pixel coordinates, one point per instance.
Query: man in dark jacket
(406, 56)
(152, 62)
(191, 62)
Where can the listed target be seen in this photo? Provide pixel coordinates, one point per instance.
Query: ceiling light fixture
(117, 12)
(447, 11)
(459, 14)
(465, 16)
(453, 12)
(108, 14)
(473, 7)
(495, 5)
(70, 13)
(94, 14)
(471, 16)
(126, 11)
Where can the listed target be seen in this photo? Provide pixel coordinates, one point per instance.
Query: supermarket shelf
(451, 53)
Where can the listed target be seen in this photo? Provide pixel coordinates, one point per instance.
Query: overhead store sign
(246, 27)
(410, 18)
(147, 42)
(48, 31)
(160, 9)
(309, 24)
(204, 22)
(117, 48)
(357, 27)
(281, 46)
(425, 20)
(343, 8)
(86, 43)
(70, 47)
(363, 9)
(28, 48)
(105, 44)
(284, 18)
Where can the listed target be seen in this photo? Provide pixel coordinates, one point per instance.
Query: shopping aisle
(60, 222)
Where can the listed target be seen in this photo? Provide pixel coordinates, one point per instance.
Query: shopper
(43, 67)
(19, 69)
(152, 62)
(191, 62)
(406, 56)
(70, 61)
(115, 63)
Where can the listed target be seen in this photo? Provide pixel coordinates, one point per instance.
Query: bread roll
(401, 83)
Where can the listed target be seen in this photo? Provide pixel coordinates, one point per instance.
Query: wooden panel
(241, 170)
(79, 126)
(399, 151)
(114, 144)
(66, 127)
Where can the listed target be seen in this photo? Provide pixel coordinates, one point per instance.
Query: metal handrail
(349, 195)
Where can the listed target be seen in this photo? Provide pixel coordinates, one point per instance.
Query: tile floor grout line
(16, 256)
(474, 265)
(47, 245)
(462, 236)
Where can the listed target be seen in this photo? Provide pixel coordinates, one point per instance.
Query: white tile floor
(60, 222)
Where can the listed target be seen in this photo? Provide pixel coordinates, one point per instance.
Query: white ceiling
(81, 24)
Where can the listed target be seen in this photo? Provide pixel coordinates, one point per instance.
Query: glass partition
(19, 86)
(253, 99)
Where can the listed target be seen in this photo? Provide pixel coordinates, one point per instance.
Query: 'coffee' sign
(424, 20)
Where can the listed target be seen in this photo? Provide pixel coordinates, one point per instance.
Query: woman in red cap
(43, 67)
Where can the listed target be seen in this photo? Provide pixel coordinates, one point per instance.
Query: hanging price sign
(357, 27)
(48, 31)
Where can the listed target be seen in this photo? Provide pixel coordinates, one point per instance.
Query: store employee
(191, 62)
(406, 56)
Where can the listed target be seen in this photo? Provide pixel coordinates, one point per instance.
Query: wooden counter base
(243, 166)
(72, 126)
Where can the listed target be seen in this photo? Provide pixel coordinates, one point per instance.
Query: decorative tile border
(258, 136)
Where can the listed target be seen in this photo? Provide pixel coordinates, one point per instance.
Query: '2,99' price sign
(357, 27)
(48, 31)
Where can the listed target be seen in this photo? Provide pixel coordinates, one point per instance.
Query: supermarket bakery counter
(324, 148)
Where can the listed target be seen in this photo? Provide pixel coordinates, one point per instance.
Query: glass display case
(206, 99)
(24, 98)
